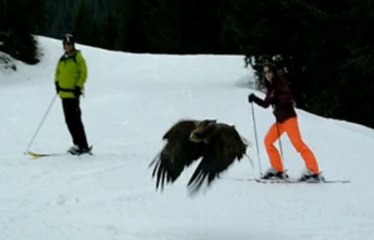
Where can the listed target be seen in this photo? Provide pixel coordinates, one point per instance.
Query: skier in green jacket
(71, 75)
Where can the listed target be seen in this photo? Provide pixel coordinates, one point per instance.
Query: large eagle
(216, 144)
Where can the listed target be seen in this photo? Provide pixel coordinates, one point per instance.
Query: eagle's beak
(193, 138)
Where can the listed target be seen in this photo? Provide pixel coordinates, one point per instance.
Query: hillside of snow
(130, 101)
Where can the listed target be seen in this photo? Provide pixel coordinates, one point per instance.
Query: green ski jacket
(71, 72)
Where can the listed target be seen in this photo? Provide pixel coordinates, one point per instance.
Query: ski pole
(40, 124)
(257, 147)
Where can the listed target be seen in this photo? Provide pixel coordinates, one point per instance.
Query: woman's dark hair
(278, 74)
(271, 66)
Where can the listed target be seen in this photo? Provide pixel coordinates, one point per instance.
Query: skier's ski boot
(85, 150)
(76, 150)
(309, 176)
(271, 173)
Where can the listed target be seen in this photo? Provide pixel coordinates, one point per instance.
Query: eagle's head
(203, 131)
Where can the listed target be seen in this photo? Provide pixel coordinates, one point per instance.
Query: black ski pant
(74, 122)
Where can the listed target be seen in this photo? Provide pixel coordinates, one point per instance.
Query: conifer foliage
(19, 20)
(324, 46)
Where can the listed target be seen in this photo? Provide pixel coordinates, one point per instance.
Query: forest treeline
(325, 47)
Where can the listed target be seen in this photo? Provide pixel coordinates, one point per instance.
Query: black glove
(251, 98)
(57, 87)
(77, 92)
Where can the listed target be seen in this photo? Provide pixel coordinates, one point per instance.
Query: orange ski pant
(291, 127)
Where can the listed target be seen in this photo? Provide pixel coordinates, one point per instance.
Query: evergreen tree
(186, 26)
(83, 23)
(109, 36)
(323, 45)
(18, 24)
(131, 17)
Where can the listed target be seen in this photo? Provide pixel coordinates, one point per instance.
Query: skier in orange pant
(279, 96)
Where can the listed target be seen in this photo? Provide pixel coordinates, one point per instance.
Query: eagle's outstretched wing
(224, 145)
(177, 153)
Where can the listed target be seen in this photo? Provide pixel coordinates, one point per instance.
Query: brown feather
(218, 144)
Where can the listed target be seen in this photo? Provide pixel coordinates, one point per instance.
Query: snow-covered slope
(130, 101)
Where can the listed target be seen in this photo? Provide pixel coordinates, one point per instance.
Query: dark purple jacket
(279, 96)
